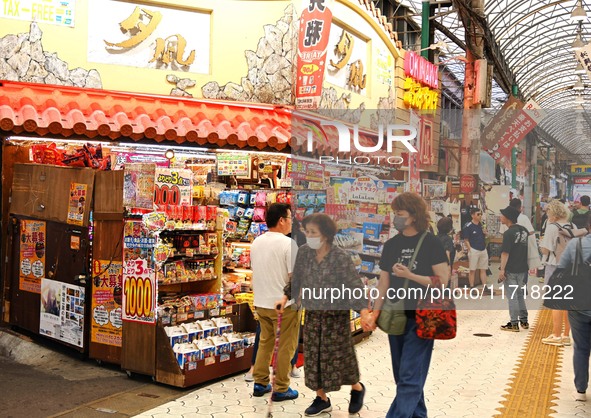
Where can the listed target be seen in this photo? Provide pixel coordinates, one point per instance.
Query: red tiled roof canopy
(62, 110)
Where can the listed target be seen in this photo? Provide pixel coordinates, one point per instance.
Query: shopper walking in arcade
(552, 247)
(474, 238)
(271, 256)
(580, 322)
(329, 356)
(411, 355)
(513, 269)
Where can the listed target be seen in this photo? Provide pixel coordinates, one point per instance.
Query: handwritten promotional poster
(139, 278)
(62, 312)
(173, 186)
(77, 205)
(32, 255)
(107, 300)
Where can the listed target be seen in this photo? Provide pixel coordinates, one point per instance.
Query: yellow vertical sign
(107, 293)
(32, 255)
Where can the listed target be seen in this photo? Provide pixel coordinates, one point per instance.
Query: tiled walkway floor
(468, 377)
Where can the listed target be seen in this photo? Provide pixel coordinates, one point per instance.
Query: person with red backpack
(558, 233)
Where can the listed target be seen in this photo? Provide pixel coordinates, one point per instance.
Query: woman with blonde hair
(553, 239)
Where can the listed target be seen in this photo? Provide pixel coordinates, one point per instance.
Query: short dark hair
(585, 200)
(275, 212)
(445, 225)
(516, 203)
(474, 210)
(328, 227)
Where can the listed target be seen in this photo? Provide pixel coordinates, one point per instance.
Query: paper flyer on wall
(32, 255)
(62, 312)
(107, 294)
(77, 204)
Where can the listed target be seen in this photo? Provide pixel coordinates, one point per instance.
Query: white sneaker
(552, 340)
(581, 397)
(565, 340)
(295, 373)
(249, 377)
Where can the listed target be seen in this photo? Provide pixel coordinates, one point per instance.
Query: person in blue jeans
(514, 268)
(295, 372)
(411, 355)
(580, 323)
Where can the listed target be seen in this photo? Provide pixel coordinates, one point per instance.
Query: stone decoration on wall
(271, 69)
(386, 111)
(22, 58)
(182, 84)
(333, 106)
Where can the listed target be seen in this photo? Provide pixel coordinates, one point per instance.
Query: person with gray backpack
(558, 234)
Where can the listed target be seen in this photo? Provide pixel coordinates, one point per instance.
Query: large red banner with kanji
(314, 31)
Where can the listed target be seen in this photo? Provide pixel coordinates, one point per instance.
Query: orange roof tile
(58, 110)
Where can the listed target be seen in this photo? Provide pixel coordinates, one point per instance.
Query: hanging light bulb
(578, 14)
(580, 69)
(578, 42)
(579, 85)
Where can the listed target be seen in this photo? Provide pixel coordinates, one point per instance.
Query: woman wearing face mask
(411, 355)
(324, 279)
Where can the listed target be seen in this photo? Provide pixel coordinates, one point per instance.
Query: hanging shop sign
(300, 170)
(54, 12)
(32, 255)
(124, 158)
(149, 36)
(77, 204)
(523, 122)
(62, 312)
(421, 70)
(139, 278)
(366, 189)
(581, 186)
(501, 121)
(584, 57)
(578, 168)
(107, 299)
(416, 96)
(173, 186)
(467, 183)
(233, 164)
(313, 37)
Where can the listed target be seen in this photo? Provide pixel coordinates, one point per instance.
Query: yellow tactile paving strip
(533, 387)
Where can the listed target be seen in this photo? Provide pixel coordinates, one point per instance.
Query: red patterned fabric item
(436, 318)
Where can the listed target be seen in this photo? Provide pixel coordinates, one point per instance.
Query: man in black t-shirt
(513, 270)
(474, 237)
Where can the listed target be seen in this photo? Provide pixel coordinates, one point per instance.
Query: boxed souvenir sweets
(177, 335)
(193, 330)
(236, 341)
(372, 230)
(186, 353)
(248, 338)
(224, 325)
(367, 266)
(221, 344)
(206, 347)
(208, 327)
(372, 248)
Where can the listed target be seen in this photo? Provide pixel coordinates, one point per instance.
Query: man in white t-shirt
(272, 256)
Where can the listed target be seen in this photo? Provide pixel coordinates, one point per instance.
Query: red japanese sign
(467, 184)
(315, 23)
(521, 125)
